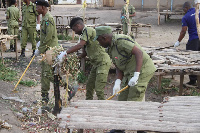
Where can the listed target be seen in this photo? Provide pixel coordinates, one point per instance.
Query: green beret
(42, 3)
(102, 30)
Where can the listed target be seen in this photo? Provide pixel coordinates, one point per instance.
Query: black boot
(22, 53)
(14, 48)
(33, 53)
(191, 82)
(11, 49)
(45, 97)
(45, 100)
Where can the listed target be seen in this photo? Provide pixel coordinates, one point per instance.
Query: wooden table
(118, 27)
(171, 61)
(140, 25)
(174, 115)
(63, 20)
(93, 18)
(3, 29)
(4, 38)
(167, 15)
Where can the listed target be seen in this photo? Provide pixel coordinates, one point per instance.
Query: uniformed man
(124, 19)
(29, 15)
(48, 38)
(134, 67)
(98, 57)
(12, 16)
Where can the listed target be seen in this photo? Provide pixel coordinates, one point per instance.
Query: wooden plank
(176, 114)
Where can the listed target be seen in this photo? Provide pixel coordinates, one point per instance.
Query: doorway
(79, 2)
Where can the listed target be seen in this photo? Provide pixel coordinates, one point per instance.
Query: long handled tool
(23, 74)
(117, 92)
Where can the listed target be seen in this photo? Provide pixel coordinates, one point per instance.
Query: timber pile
(171, 58)
(174, 114)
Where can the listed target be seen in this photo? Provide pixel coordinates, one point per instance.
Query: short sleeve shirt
(189, 21)
(13, 14)
(29, 15)
(95, 52)
(121, 55)
(48, 33)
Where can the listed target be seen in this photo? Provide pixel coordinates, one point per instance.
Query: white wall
(66, 1)
(91, 1)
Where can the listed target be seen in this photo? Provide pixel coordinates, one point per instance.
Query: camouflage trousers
(97, 81)
(137, 92)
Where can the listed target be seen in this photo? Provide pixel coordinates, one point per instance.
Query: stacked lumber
(174, 114)
(171, 57)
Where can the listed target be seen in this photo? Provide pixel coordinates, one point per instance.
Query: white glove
(116, 87)
(37, 52)
(37, 45)
(61, 57)
(134, 80)
(177, 44)
(38, 27)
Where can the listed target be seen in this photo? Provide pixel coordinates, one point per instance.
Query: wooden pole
(158, 7)
(84, 9)
(84, 19)
(2, 52)
(24, 72)
(127, 17)
(117, 92)
(16, 48)
(197, 2)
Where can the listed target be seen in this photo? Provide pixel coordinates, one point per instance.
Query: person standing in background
(189, 23)
(29, 15)
(12, 16)
(124, 20)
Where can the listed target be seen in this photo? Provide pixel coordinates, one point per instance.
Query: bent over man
(98, 57)
(134, 67)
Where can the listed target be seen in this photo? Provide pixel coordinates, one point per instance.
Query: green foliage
(6, 73)
(192, 92)
(66, 37)
(165, 83)
(28, 83)
(81, 77)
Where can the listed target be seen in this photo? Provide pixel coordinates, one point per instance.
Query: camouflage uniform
(13, 27)
(120, 53)
(29, 15)
(48, 38)
(100, 65)
(124, 21)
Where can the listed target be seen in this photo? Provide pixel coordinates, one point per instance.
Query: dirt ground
(14, 113)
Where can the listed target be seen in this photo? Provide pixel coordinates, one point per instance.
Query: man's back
(95, 52)
(13, 14)
(189, 21)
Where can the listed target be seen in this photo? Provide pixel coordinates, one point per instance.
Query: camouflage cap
(102, 30)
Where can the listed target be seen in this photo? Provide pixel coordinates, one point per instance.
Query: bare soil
(22, 121)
